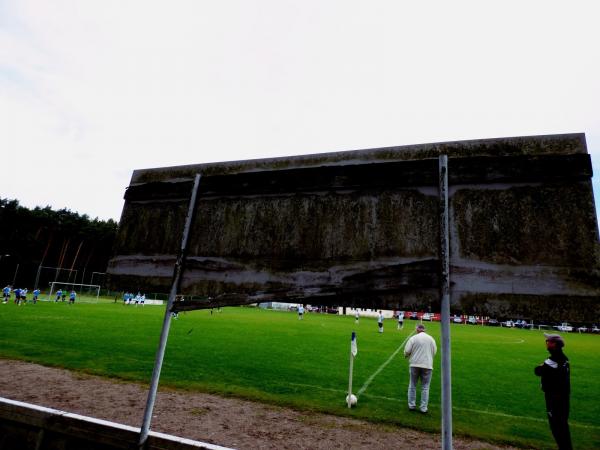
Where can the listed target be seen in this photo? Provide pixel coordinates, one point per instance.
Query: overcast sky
(91, 90)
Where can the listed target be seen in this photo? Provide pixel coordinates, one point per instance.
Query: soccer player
(356, 316)
(17, 292)
(72, 296)
(36, 294)
(58, 295)
(6, 294)
(142, 299)
(400, 320)
(380, 321)
(300, 312)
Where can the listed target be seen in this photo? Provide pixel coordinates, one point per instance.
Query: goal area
(86, 293)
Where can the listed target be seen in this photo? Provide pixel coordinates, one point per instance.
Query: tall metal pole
(37, 277)
(445, 294)
(15, 277)
(99, 273)
(160, 353)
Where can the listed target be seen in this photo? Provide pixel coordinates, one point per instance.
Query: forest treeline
(45, 245)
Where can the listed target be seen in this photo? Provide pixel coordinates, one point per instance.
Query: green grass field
(273, 357)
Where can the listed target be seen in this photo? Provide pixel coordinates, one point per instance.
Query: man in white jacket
(420, 349)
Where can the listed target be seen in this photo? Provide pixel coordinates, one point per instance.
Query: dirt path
(225, 421)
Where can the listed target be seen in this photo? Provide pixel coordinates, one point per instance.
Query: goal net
(85, 293)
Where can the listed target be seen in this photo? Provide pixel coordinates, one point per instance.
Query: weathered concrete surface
(24, 426)
(361, 228)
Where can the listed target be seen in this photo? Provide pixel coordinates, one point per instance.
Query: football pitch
(273, 357)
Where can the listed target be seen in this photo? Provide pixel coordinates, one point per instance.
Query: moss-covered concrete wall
(361, 228)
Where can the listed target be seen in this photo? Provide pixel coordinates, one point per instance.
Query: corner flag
(351, 399)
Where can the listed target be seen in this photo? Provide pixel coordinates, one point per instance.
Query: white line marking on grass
(321, 388)
(457, 408)
(372, 377)
(511, 416)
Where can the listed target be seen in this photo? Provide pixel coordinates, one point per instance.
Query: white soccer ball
(353, 400)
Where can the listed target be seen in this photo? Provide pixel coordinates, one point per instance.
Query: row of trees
(41, 244)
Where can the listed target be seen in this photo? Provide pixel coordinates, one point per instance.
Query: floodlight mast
(164, 335)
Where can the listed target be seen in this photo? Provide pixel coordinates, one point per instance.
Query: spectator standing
(420, 349)
(555, 374)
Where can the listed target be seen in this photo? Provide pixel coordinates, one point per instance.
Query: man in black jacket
(556, 384)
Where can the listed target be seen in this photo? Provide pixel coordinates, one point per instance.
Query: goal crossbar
(77, 287)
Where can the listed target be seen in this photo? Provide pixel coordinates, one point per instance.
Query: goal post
(86, 293)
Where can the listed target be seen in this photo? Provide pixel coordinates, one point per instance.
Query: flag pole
(350, 380)
(353, 351)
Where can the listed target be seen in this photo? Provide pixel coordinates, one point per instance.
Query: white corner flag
(351, 399)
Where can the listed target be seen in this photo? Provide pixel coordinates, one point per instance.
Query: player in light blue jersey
(6, 294)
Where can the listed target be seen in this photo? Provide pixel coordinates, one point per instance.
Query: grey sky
(90, 91)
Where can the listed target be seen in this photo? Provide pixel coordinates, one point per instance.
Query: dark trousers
(557, 406)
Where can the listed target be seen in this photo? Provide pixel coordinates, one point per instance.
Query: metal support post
(93, 273)
(37, 277)
(445, 306)
(15, 277)
(160, 353)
